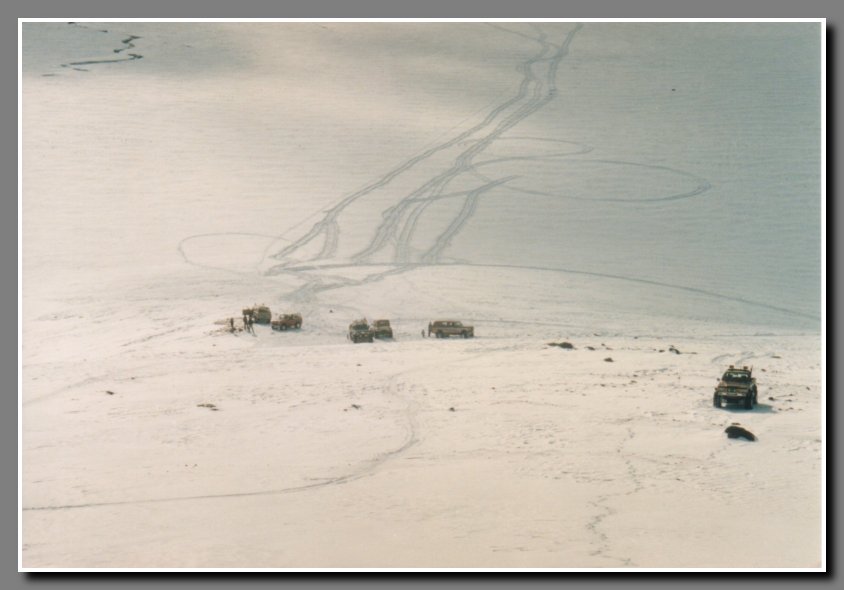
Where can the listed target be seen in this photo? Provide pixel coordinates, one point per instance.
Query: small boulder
(608, 359)
(736, 430)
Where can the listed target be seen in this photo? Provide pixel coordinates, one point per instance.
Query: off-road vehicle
(736, 385)
(446, 328)
(381, 329)
(359, 331)
(260, 314)
(287, 321)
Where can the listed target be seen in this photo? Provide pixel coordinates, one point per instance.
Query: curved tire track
(463, 163)
(368, 468)
(393, 214)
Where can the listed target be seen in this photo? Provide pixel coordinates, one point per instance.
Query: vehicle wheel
(716, 401)
(283, 326)
(297, 326)
(465, 334)
(748, 402)
(755, 400)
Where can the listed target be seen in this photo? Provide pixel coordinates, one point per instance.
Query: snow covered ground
(648, 192)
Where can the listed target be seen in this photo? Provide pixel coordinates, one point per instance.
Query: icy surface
(649, 193)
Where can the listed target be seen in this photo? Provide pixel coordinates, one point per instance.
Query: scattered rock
(774, 356)
(662, 350)
(608, 359)
(772, 399)
(566, 345)
(355, 406)
(590, 347)
(211, 406)
(451, 409)
(109, 392)
(736, 430)
(674, 350)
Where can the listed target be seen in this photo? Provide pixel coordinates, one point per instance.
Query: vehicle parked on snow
(359, 331)
(736, 385)
(287, 321)
(446, 328)
(381, 329)
(260, 314)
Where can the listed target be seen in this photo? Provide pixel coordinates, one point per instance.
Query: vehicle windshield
(740, 377)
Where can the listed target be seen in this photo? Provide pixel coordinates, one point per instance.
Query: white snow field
(648, 192)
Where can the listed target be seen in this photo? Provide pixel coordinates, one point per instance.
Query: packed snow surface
(621, 210)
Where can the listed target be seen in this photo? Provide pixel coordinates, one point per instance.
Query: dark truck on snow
(446, 328)
(381, 329)
(259, 314)
(359, 331)
(287, 321)
(736, 386)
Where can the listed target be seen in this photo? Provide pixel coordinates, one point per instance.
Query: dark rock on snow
(735, 430)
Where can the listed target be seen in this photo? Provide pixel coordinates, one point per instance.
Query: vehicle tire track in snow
(517, 33)
(181, 248)
(469, 206)
(367, 468)
(646, 282)
(330, 218)
(583, 148)
(702, 184)
(393, 215)
(463, 163)
(401, 268)
(433, 188)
